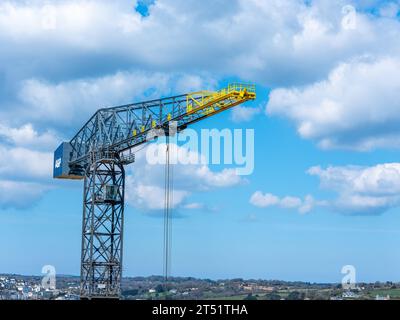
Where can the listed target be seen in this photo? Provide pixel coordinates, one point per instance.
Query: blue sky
(325, 189)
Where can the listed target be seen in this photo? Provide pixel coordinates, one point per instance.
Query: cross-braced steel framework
(98, 152)
(102, 228)
(125, 127)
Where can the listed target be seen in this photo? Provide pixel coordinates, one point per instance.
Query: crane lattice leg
(102, 230)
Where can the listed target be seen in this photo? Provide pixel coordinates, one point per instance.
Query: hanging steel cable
(168, 200)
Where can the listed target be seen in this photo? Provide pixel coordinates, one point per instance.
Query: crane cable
(168, 205)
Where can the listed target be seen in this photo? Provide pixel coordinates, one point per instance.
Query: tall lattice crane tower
(98, 154)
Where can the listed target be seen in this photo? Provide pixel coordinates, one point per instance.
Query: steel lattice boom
(97, 154)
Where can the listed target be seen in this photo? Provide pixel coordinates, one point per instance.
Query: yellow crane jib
(210, 102)
(203, 104)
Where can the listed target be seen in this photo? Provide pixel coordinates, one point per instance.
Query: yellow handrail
(234, 94)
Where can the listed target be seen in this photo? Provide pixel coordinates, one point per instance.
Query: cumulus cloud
(67, 103)
(210, 179)
(145, 181)
(244, 114)
(111, 54)
(357, 107)
(27, 136)
(23, 163)
(262, 200)
(362, 190)
(150, 197)
(194, 205)
(20, 195)
(285, 41)
(101, 42)
(60, 61)
(356, 190)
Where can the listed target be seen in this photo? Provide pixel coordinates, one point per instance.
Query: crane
(98, 153)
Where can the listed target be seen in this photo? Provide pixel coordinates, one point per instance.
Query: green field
(393, 293)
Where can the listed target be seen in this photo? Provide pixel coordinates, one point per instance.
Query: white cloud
(244, 114)
(68, 103)
(357, 191)
(193, 205)
(145, 183)
(187, 83)
(209, 179)
(289, 202)
(27, 136)
(150, 197)
(264, 200)
(274, 42)
(65, 101)
(175, 48)
(22, 163)
(111, 55)
(356, 107)
(20, 195)
(261, 200)
(24, 171)
(362, 190)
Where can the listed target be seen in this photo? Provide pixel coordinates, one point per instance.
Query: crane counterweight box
(61, 169)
